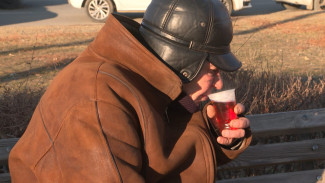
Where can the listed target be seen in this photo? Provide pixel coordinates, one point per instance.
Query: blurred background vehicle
(98, 10)
(9, 4)
(310, 4)
(235, 5)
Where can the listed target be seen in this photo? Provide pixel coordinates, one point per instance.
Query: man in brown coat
(127, 109)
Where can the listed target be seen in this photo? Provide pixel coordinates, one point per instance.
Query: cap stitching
(163, 33)
(173, 6)
(208, 33)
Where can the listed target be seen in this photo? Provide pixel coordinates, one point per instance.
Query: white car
(235, 5)
(99, 10)
(310, 4)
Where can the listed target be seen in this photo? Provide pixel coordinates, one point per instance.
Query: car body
(98, 10)
(9, 4)
(310, 4)
(119, 5)
(235, 5)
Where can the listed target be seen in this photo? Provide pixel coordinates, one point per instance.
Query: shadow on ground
(279, 22)
(28, 11)
(260, 7)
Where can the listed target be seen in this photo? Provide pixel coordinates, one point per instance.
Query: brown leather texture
(109, 117)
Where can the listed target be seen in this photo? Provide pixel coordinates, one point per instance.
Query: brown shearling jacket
(109, 116)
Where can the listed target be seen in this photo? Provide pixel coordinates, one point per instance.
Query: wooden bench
(279, 153)
(5, 147)
(260, 155)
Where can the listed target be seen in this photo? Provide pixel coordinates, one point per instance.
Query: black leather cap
(185, 33)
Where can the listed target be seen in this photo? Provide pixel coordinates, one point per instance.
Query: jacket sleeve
(121, 130)
(225, 154)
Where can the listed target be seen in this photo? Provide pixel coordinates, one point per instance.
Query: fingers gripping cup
(224, 103)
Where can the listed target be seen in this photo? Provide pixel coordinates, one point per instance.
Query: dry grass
(265, 92)
(16, 109)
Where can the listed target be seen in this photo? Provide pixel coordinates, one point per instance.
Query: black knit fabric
(188, 104)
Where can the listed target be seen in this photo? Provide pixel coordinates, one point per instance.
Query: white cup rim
(223, 96)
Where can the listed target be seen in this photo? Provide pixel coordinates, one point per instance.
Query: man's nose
(212, 67)
(218, 82)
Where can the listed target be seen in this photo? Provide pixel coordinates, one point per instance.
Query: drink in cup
(224, 103)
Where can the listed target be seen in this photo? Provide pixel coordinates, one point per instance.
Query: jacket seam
(211, 150)
(126, 112)
(101, 127)
(137, 98)
(55, 135)
(205, 155)
(203, 134)
(107, 143)
(51, 140)
(66, 115)
(99, 121)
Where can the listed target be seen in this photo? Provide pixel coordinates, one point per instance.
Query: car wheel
(98, 10)
(9, 4)
(289, 6)
(228, 4)
(319, 4)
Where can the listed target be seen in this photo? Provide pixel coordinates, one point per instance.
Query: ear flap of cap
(185, 62)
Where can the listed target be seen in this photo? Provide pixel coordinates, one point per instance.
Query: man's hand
(240, 124)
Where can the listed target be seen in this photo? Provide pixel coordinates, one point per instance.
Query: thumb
(211, 112)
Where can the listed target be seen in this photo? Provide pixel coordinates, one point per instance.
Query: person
(128, 108)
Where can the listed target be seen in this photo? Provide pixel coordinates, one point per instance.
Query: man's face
(201, 86)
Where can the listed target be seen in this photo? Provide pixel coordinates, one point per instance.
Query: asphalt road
(59, 12)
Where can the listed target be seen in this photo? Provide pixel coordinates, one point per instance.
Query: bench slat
(314, 176)
(270, 154)
(284, 123)
(5, 178)
(5, 147)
